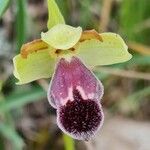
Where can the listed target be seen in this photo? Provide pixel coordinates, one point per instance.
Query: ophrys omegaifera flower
(66, 53)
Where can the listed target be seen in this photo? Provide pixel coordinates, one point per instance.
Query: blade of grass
(131, 103)
(129, 21)
(11, 135)
(21, 23)
(21, 99)
(3, 6)
(68, 142)
(125, 73)
(139, 94)
(1, 143)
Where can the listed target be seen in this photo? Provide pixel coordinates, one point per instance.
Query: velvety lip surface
(80, 118)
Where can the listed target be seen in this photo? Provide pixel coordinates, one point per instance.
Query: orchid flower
(66, 53)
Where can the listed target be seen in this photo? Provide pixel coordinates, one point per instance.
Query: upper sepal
(54, 15)
(62, 36)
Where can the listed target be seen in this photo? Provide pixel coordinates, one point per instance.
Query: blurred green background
(28, 122)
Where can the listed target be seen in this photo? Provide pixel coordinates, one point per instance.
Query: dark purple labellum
(75, 92)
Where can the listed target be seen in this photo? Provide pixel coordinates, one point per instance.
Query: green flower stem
(68, 142)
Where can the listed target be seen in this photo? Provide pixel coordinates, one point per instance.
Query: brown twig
(140, 48)
(43, 83)
(105, 14)
(145, 24)
(88, 145)
(125, 73)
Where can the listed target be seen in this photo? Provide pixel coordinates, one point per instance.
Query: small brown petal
(90, 34)
(33, 46)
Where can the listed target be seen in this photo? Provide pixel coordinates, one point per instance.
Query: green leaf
(55, 16)
(1, 84)
(134, 27)
(62, 36)
(110, 51)
(3, 6)
(1, 143)
(20, 99)
(9, 133)
(132, 102)
(37, 65)
(21, 18)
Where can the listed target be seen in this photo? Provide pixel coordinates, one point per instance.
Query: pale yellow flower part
(37, 65)
(37, 58)
(109, 51)
(62, 36)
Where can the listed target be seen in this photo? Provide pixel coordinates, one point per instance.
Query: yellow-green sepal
(36, 66)
(54, 15)
(112, 49)
(62, 36)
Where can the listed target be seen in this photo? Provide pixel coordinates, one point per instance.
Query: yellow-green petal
(54, 15)
(37, 65)
(62, 36)
(109, 51)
